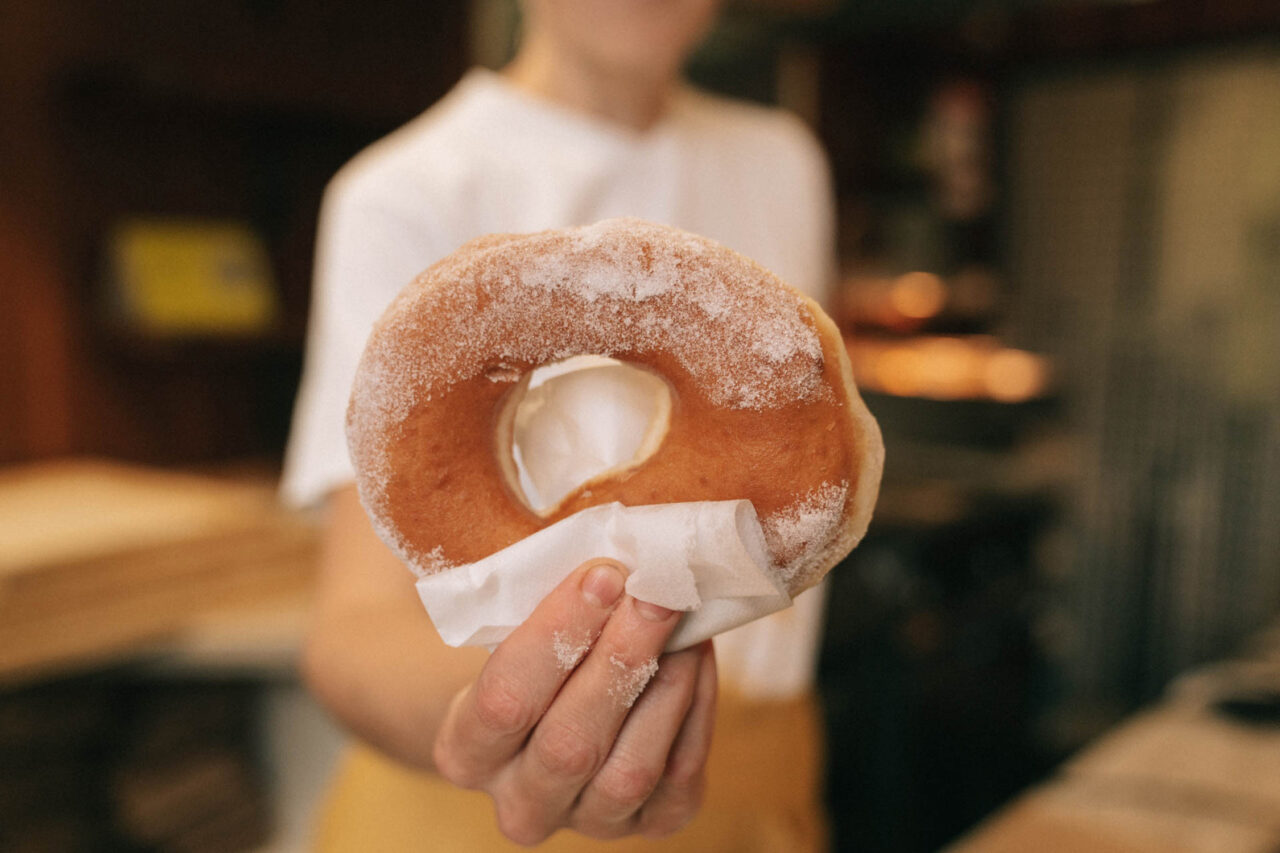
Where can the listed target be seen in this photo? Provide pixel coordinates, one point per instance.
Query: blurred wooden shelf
(101, 561)
(1179, 777)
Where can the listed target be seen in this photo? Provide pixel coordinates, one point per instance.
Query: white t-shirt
(491, 158)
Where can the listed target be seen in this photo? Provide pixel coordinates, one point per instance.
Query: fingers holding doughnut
(612, 803)
(490, 721)
(679, 794)
(577, 734)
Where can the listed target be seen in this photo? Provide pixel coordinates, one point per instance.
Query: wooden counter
(1179, 778)
(100, 560)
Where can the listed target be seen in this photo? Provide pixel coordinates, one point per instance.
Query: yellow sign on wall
(177, 278)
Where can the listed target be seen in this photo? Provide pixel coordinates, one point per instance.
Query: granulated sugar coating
(764, 407)
(796, 532)
(630, 681)
(765, 353)
(569, 652)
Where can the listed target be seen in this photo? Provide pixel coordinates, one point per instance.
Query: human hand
(578, 720)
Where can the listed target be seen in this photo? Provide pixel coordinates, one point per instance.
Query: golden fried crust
(764, 406)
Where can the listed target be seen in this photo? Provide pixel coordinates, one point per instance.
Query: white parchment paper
(707, 558)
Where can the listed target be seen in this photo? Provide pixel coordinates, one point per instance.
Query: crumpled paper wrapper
(707, 558)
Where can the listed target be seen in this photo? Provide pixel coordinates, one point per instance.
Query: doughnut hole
(567, 423)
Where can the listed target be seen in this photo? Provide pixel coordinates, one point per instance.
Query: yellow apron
(763, 796)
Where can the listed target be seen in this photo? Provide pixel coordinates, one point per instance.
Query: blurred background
(1059, 231)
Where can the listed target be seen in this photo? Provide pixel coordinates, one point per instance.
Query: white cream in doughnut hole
(575, 420)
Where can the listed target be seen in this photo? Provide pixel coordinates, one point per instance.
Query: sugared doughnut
(763, 402)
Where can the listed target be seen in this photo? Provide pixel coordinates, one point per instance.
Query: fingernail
(652, 612)
(603, 584)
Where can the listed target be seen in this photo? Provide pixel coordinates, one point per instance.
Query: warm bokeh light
(897, 371)
(918, 295)
(1013, 376)
(949, 368)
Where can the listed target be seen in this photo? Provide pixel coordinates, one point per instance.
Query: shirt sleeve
(365, 253)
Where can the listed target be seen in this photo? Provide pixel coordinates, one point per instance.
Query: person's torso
(490, 159)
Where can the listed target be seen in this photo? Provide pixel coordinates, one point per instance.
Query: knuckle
(627, 783)
(563, 750)
(445, 761)
(450, 764)
(517, 822)
(500, 706)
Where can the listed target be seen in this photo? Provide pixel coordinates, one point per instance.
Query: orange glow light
(949, 368)
(918, 295)
(1012, 376)
(899, 371)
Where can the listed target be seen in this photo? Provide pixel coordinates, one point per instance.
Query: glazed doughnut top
(763, 404)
